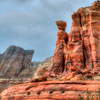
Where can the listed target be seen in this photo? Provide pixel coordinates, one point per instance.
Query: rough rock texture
(62, 38)
(52, 90)
(61, 25)
(8, 82)
(82, 51)
(27, 58)
(14, 60)
(35, 71)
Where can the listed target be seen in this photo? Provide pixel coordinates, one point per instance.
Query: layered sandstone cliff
(82, 51)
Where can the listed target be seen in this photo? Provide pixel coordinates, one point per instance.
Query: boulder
(61, 25)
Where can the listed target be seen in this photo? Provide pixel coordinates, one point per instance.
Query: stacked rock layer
(53, 90)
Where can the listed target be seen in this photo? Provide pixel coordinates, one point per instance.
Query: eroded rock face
(62, 38)
(14, 60)
(27, 58)
(43, 67)
(82, 51)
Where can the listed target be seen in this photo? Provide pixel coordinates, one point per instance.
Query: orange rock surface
(51, 90)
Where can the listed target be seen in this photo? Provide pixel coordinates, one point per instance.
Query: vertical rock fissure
(82, 32)
(84, 54)
(22, 64)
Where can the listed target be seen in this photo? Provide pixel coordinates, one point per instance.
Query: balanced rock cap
(61, 25)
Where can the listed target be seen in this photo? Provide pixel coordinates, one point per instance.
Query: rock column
(62, 38)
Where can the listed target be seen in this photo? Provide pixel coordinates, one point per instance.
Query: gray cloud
(21, 1)
(36, 28)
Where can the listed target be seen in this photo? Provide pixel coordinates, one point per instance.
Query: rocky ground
(34, 71)
(53, 90)
(8, 82)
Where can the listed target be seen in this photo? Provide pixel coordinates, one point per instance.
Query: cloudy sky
(30, 24)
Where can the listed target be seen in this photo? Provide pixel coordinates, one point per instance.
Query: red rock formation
(62, 38)
(83, 47)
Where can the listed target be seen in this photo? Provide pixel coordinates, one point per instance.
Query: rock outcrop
(36, 70)
(43, 67)
(82, 51)
(62, 38)
(14, 60)
(53, 90)
(8, 82)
